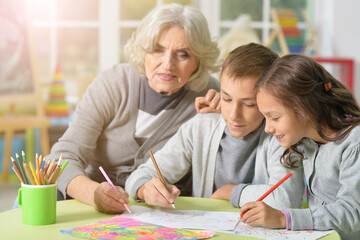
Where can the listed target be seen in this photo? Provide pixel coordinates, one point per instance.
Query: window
(88, 36)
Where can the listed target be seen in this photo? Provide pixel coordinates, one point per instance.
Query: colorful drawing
(127, 228)
(193, 219)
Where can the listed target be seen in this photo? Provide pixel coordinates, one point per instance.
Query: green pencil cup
(38, 204)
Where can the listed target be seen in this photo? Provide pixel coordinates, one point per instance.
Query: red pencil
(272, 189)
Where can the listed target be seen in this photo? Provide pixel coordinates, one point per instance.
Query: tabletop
(72, 213)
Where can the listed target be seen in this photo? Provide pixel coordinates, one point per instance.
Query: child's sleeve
(343, 214)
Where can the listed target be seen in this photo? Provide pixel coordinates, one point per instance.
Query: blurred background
(56, 47)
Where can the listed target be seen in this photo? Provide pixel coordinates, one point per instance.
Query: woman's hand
(109, 200)
(155, 193)
(224, 192)
(260, 214)
(209, 103)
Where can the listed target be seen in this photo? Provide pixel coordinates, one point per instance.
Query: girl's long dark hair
(304, 86)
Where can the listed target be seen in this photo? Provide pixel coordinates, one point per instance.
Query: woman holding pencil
(132, 108)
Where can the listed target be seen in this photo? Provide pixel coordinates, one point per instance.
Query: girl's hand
(209, 103)
(260, 214)
(108, 200)
(155, 193)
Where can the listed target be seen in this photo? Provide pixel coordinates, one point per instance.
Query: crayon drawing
(126, 228)
(277, 234)
(216, 221)
(193, 219)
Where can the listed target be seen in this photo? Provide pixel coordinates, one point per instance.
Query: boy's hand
(224, 192)
(155, 193)
(260, 214)
(209, 103)
(108, 200)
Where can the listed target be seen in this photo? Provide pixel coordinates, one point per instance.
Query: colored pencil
(34, 173)
(37, 164)
(17, 170)
(63, 166)
(21, 166)
(40, 160)
(42, 165)
(54, 175)
(267, 193)
(51, 168)
(110, 182)
(60, 158)
(28, 173)
(274, 187)
(47, 164)
(159, 173)
(23, 156)
(42, 179)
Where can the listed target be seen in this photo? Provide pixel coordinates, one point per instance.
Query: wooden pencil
(18, 173)
(18, 170)
(157, 168)
(54, 175)
(21, 166)
(32, 169)
(42, 179)
(28, 173)
(159, 173)
(51, 168)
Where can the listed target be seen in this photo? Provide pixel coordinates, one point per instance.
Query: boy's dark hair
(303, 85)
(248, 60)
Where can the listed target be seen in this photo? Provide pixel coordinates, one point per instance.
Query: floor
(8, 193)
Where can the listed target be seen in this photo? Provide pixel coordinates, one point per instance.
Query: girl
(312, 113)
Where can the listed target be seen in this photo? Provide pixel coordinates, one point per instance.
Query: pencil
(63, 166)
(54, 175)
(159, 173)
(21, 166)
(110, 182)
(23, 156)
(60, 158)
(274, 187)
(32, 169)
(51, 168)
(41, 176)
(40, 160)
(46, 165)
(17, 170)
(37, 163)
(267, 193)
(29, 174)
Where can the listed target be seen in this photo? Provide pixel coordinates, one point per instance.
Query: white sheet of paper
(276, 234)
(194, 219)
(216, 221)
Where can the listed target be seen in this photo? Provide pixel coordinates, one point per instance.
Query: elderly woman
(133, 108)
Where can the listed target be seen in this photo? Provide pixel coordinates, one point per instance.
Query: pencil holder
(38, 204)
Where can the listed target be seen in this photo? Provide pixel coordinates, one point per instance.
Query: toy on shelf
(290, 37)
(57, 105)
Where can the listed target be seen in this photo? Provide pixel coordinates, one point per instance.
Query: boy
(226, 152)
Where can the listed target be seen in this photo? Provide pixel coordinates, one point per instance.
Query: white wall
(338, 26)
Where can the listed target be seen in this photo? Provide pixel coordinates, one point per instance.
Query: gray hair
(198, 36)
